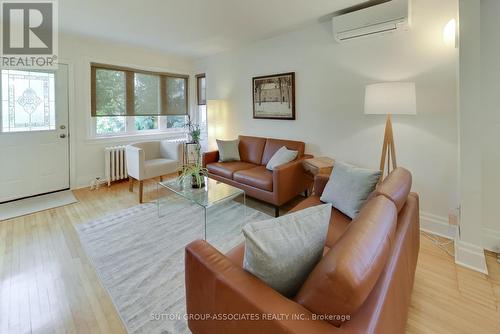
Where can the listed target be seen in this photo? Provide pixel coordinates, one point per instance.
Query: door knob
(62, 135)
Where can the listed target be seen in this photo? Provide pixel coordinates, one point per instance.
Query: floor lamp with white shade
(390, 98)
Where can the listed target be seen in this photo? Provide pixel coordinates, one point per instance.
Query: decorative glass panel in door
(28, 101)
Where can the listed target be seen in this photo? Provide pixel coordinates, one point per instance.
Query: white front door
(34, 145)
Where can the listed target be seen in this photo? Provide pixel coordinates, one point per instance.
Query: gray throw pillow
(281, 157)
(283, 251)
(349, 187)
(228, 150)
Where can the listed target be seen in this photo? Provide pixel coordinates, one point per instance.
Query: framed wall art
(274, 96)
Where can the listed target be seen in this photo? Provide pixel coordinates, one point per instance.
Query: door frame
(71, 129)
(71, 121)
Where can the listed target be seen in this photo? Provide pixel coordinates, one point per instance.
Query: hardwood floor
(49, 286)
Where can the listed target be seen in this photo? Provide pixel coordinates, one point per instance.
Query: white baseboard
(466, 254)
(437, 225)
(84, 180)
(470, 256)
(491, 239)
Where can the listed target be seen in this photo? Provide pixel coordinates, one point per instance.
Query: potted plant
(194, 131)
(194, 172)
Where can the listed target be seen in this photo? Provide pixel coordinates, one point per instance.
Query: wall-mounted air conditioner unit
(388, 17)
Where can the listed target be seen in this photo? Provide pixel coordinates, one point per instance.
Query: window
(28, 101)
(127, 101)
(201, 89)
(202, 109)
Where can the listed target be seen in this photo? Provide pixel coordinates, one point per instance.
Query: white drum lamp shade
(397, 98)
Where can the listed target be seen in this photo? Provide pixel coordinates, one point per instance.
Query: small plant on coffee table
(196, 173)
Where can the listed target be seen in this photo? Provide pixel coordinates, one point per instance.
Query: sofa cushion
(228, 150)
(237, 254)
(338, 221)
(258, 177)
(346, 275)
(281, 157)
(283, 251)
(272, 145)
(158, 167)
(227, 169)
(349, 187)
(338, 225)
(251, 149)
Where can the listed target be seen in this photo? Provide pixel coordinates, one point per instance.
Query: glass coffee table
(222, 204)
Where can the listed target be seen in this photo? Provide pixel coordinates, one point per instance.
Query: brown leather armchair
(362, 285)
(250, 174)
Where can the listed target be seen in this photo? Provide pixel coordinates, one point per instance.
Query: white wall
(330, 81)
(479, 131)
(490, 104)
(87, 153)
(468, 250)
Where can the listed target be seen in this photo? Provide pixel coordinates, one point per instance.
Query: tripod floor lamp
(390, 98)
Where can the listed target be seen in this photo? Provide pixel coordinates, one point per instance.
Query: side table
(319, 165)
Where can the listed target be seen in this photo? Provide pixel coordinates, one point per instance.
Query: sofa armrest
(217, 287)
(210, 157)
(290, 179)
(135, 156)
(320, 182)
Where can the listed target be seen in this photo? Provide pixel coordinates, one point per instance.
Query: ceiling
(194, 28)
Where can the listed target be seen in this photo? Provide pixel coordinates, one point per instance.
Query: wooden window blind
(123, 91)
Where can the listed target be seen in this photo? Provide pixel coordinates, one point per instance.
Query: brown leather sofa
(362, 285)
(250, 174)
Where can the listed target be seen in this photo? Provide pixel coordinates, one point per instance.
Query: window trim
(125, 137)
(199, 101)
(130, 130)
(129, 89)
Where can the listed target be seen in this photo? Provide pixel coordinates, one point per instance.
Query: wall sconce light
(450, 36)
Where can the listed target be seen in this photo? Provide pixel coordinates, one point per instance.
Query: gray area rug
(139, 256)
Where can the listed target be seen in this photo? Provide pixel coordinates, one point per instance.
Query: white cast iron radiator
(114, 164)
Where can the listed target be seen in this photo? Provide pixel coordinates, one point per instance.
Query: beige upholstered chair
(151, 159)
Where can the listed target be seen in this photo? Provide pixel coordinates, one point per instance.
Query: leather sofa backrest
(345, 276)
(251, 149)
(272, 145)
(396, 187)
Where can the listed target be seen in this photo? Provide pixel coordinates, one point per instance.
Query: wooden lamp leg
(388, 149)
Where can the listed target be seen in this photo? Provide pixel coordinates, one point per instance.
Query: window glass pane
(110, 125)
(201, 91)
(202, 117)
(28, 101)
(110, 92)
(146, 122)
(176, 121)
(176, 96)
(146, 94)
